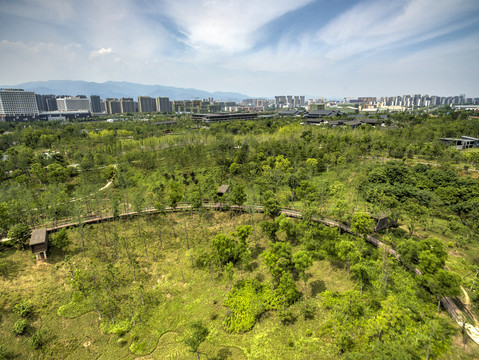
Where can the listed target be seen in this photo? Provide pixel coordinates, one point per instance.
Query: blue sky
(331, 48)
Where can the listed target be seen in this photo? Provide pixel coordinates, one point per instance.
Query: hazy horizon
(315, 48)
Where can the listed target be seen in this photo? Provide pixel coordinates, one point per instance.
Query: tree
(199, 335)
(444, 283)
(286, 292)
(312, 165)
(302, 261)
(409, 251)
(227, 249)
(270, 228)
(109, 172)
(278, 259)
(360, 271)
(429, 263)
(196, 197)
(348, 251)
(19, 234)
(115, 211)
(271, 204)
(238, 195)
(361, 224)
(288, 227)
(61, 240)
(175, 194)
(243, 232)
(5, 217)
(416, 214)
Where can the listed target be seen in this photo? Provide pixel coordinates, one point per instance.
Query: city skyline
(316, 48)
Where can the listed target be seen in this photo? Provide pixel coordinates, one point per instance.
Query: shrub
(309, 333)
(287, 317)
(246, 304)
(120, 328)
(308, 311)
(4, 353)
(20, 327)
(38, 339)
(23, 309)
(202, 260)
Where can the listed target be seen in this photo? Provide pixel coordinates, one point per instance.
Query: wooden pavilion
(39, 243)
(223, 190)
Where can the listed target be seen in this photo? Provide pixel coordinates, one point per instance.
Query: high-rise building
(41, 102)
(112, 106)
(163, 104)
(95, 104)
(73, 104)
(18, 102)
(279, 100)
(52, 104)
(146, 104)
(46, 103)
(127, 105)
(290, 100)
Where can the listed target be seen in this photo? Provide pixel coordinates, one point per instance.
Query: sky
(262, 48)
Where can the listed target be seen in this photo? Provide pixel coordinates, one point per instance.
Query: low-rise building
(224, 117)
(39, 243)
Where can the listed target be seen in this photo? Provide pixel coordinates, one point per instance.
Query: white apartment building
(18, 102)
(73, 104)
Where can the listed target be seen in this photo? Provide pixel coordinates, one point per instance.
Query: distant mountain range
(120, 89)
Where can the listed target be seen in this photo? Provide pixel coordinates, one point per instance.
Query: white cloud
(380, 24)
(227, 26)
(102, 51)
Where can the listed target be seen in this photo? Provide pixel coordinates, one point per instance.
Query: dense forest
(172, 268)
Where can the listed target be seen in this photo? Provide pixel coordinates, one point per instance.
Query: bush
(4, 269)
(345, 343)
(308, 311)
(309, 333)
(23, 309)
(120, 328)
(246, 302)
(38, 339)
(20, 327)
(4, 353)
(202, 260)
(287, 317)
(122, 341)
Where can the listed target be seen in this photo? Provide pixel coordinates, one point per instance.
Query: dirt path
(467, 299)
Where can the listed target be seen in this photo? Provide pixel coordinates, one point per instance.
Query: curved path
(447, 302)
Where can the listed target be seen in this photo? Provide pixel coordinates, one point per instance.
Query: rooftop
(39, 236)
